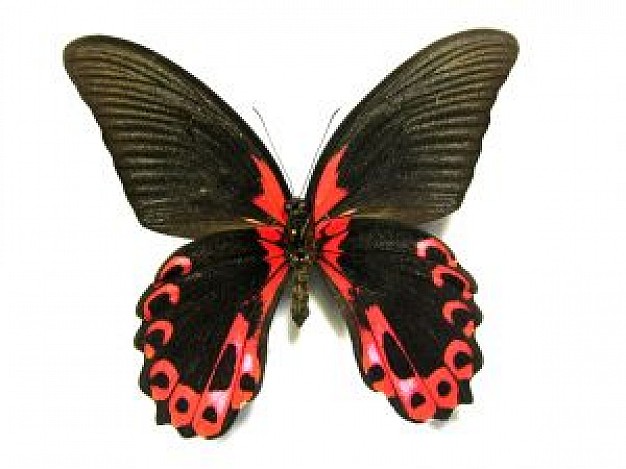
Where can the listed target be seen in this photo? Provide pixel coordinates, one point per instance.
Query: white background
(541, 230)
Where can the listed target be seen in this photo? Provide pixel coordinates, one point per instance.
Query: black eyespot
(182, 405)
(444, 388)
(209, 414)
(247, 383)
(461, 359)
(375, 373)
(160, 380)
(417, 400)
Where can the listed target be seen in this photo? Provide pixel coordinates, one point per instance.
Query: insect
(191, 167)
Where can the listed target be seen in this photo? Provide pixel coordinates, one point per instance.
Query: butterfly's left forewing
(204, 328)
(410, 311)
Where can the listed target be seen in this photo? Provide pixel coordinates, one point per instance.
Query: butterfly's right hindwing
(410, 310)
(204, 328)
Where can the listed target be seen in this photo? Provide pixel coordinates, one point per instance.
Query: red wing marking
(331, 233)
(275, 255)
(269, 291)
(331, 227)
(444, 388)
(425, 244)
(214, 404)
(165, 327)
(207, 410)
(403, 388)
(455, 305)
(270, 232)
(328, 194)
(182, 262)
(162, 388)
(182, 405)
(342, 284)
(419, 396)
(458, 354)
(331, 251)
(271, 200)
(453, 350)
(441, 270)
(173, 294)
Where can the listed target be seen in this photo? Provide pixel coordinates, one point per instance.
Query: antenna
(317, 152)
(269, 139)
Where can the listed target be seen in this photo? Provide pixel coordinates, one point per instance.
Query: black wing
(188, 163)
(204, 330)
(410, 310)
(407, 151)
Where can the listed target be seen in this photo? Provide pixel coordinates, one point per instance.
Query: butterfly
(191, 167)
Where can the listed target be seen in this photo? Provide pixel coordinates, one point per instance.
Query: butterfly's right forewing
(409, 148)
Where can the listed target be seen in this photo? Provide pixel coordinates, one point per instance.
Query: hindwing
(410, 310)
(204, 328)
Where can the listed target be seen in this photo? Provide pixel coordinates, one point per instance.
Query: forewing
(410, 311)
(204, 328)
(188, 163)
(407, 151)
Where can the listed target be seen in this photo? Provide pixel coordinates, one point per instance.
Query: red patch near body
(328, 193)
(271, 200)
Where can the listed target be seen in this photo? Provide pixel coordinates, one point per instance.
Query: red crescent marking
(182, 418)
(454, 347)
(448, 312)
(148, 351)
(469, 329)
(271, 200)
(423, 246)
(450, 401)
(169, 289)
(167, 368)
(177, 261)
(163, 326)
(328, 194)
(450, 307)
(441, 270)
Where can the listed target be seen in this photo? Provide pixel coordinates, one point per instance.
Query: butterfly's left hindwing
(204, 329)
(410, 310)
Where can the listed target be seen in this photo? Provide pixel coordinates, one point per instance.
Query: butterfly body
(300, 249)
(191, 167)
